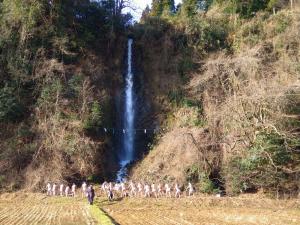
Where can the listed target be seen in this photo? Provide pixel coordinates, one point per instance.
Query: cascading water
(128, 138)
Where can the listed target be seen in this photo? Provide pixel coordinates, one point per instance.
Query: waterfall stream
(128, 138)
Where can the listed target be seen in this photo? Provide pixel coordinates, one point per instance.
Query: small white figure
(67, 190)
(61, 190)
(147, 191)
(153, 190)
(73, 191)
(49, 189)
(54, 189)
(83, 190)
(177, 191)
(190, 189)
(168, 190)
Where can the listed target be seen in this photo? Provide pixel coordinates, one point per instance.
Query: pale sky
(140, 5)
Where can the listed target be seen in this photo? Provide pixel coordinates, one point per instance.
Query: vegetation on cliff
(222, 79)
(227, 74)
(56, 58)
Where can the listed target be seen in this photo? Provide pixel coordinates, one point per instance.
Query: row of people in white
(64, 190)
(144, 190)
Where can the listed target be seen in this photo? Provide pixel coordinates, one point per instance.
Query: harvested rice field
(38, 209)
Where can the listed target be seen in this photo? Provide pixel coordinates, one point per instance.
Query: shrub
(267, 164)
(49, 93)
(195, 174)
(11, 109)
(94, 119)
(282, 22)
(75, 85)
(206, 185)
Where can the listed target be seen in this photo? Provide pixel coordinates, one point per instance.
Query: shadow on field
(112, 219)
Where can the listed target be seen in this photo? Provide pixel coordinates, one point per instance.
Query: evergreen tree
(157, 8)
(160, 7)
(145, 13)
(168, 6)
(190, 7)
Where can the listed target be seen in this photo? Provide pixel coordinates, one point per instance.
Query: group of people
(65, 190)
(139, 189)
(122, 189)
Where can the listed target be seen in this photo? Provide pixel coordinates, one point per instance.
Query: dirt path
(36, 209)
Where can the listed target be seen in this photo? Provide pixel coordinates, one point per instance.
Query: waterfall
(128, 138)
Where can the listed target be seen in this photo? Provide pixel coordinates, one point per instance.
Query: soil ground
(29, 209)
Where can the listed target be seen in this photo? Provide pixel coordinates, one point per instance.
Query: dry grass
(30, 209)
(203, 210)
(175, 152)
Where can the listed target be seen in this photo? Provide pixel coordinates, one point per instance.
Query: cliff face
(230, 109)
(222, 90)
(61, 65)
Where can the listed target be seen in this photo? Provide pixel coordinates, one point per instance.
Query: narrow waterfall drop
(128, 138)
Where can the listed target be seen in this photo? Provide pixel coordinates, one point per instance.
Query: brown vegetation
(249, 102)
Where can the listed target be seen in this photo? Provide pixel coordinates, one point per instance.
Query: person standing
(168, 190)
(54, 189)
(83, 190)
(177, 191)
(153, 190)
(140, 189)
(67, 190)
(61, 190)
(190, 189)
(49, 189)
(73, 190)
(91, 194)
(159, 190)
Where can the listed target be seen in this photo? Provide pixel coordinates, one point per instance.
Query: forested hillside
(221, 78)
(60, 65)
(225, 74)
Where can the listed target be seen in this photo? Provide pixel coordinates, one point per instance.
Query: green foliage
(176, 97)
(206, 185)
(152, 30)
(207, 35)
(162, 7)
(246, 8)
(185, 66)
(265, 165)
(157, 8)
(250, 34)
(50, 93)
(282, 22)
(195, 174)
(75, 85)
(277, 4)
(94, 119)
(190, 7)
(11, 110)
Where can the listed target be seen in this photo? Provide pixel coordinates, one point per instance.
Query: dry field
(30, 209)
(203, 210)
